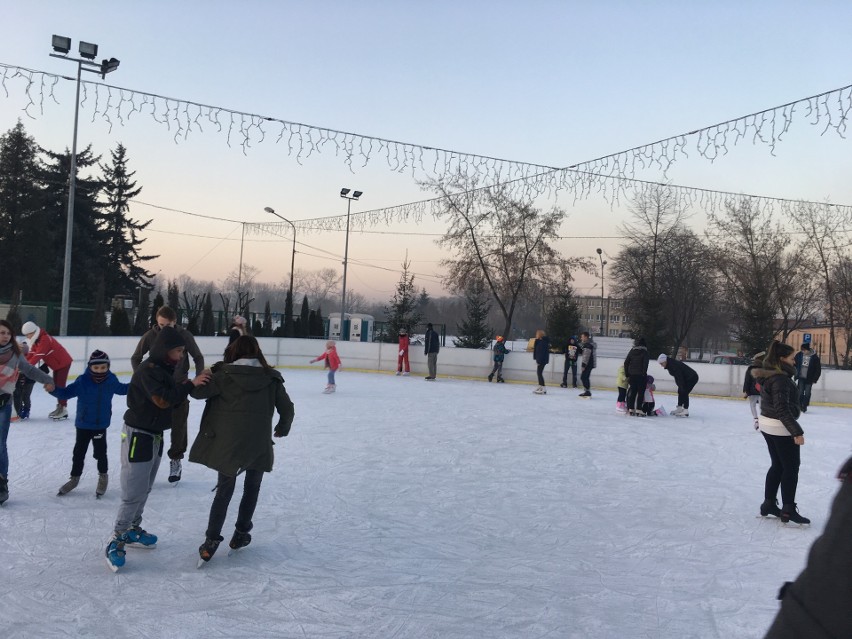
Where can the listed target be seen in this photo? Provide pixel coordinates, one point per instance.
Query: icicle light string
(829, 109)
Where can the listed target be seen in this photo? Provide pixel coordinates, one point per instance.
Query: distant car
(730, 359)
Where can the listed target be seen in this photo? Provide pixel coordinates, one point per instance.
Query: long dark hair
(774, 353)
(245, 347)
(16, 348)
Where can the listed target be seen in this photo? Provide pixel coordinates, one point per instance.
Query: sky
(552, 83)
(495, 513)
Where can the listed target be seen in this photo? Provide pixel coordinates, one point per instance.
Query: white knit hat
(29, 327)
(662, 358)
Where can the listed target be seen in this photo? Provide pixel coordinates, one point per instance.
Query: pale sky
(553, 83)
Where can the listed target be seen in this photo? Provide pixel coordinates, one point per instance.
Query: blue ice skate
(138, 538)
(115, 553)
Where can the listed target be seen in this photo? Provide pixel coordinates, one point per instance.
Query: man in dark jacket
(432, 346)
(685, 377)
(166, 316)
(152, 395)
(808, 370)
(636, 371)
(588, 362)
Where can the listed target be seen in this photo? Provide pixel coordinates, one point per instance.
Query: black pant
(804, 393)
(21, 395)
(784, 471)
(539, 369)
(683, 393)
(584, 377)
(572, 364)
(636, 391)
(99, 450)
(224, 492)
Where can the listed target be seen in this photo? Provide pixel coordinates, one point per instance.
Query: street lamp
(271, 211)
(88, 52)
(344, 193)
(603, 263)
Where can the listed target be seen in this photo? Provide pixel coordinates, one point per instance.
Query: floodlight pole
(603, 264)
(269, 209)
(344, 193)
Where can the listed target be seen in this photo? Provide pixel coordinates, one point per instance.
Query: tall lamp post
(88, 52)
(271, 211)
(603, 263)
(344, 193)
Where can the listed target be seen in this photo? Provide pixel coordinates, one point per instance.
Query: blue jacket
(94, 401)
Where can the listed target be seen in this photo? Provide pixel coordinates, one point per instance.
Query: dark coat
(432, 343)
(814, 367)
(684, 376)
(182, 369)
(749, 383)
(636, 362)
(816, 605)
(236, 427)
(94, 400)
(541, 350)
(779, 397)
(500, 351)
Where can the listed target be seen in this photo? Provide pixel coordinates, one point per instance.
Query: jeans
(330, 380)
(804, 393)
(224, 492)
(81, 445)
(585, 377)
(5, 417)
(784, 471)
(572, 364)
(539, 370)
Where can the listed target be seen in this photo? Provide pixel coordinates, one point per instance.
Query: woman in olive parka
(242, 397)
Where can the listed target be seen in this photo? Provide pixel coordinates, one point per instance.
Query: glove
(401, 353)
(282, 430)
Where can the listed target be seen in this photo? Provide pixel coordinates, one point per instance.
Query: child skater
(94, 390)
(621, 383)
(648, 404)
(332, 363)
(402, 360)
(500, 351)
(751, 390)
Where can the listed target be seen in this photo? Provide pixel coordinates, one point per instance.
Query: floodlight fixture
(108, 66)
(88, 50)
(269, 209)
(61, 44)
(344, 192)
(357, 194)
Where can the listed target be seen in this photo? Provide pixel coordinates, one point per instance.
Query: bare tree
(795, 292)
(842, 276)
(501, 241)
(321, 287)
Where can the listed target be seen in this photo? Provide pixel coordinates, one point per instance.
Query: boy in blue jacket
(94, 391)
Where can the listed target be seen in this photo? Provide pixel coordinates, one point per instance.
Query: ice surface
(405, 508)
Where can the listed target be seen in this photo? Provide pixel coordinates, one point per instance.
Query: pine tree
(563, 319)
(318, 327)
(208, 326)
(304, 318)
(119, 323)
(98, 325)
(403, 310)
(267, 320)
(474, 331)
(288, 316)
(140, 324)
(173, 295)
(124, 271)
(156, 306)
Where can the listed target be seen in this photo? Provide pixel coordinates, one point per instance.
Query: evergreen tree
(208, 326)
(14, 314)
(121, 245)
(99, 325)
(312, 323)
(156, 306)
(267, 320)
(142, 313)
(288, 316)
(318, 327)
(474, 331)
(403, 310)
(562, 319)
(21, 216)
(173, 295)
(119, 322)
(304, 318)
(88, 259)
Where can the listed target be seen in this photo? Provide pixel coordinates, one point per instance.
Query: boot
(208, 548)
(103, 482)
(4, 489)
(770, 507)
(239, 540)
(789, 512)
(61, 412)
(69, 485)
(491, 377)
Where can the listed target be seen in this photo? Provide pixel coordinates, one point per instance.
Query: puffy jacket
(589, 355)
(621, 378)
(779, 397)
(541, 350)
(500, 351)
(749, 383)
(94, 400)
(636, 362)
(332, 359)
(47, 349)
(433, 344)
(684, 376)
(814, 367)
(236, 427)
(404, 342)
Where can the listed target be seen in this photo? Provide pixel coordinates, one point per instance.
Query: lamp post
(344, 193)
(603, 264)
(271, 211)
(88, 52)
(240, 270)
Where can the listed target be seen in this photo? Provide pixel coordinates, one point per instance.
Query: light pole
(271, 211)
(603, 263)
(88, 52)
(344, 193)
(240, 270)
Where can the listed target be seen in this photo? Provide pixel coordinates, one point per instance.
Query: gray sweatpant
(432, 363)
(137, 474)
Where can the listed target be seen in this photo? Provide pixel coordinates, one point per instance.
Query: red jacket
(332, 359)
(403, 342)
(47, 349)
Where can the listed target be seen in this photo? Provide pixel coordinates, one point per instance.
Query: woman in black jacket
(636, 370)
(541, 354)
(779, 410)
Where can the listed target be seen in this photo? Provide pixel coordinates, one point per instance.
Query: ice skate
(406, 374)
(68, 486)
(684, 412)
(585, 394)
(491, 377)
(239, 540)
(540, 390)
(138, 538)
(500, 380)
(770, 507)
(789, 513)
(563, 385)
(756, 424)
(60, 413)
(398, 373)
(115, 553)
(175, 470)
(4, 489)
(103, 482)
(208, 549)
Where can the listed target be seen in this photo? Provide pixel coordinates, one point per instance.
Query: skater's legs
(141, 453)
(180, 414)
(636, 392)
(574, 373)
(539, 371)
(804, 393)
(754, 405)
(60, 376)
(784, 471)
(432, 362)
(251, 489)
(219, 507)
(330, 377)
(585, 378)
(99, 450)
(683, 393)
(622, 395)
(5, 418)
(81, 445)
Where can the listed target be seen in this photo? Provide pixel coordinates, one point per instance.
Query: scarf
(8, 374)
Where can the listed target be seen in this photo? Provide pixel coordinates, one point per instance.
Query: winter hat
(29, 327)
(662, 358)
(757, 358)
(98, 357)
(500, 338)
(402, 331)
(169, 338)
(805, 347)
(650, 379)
(240, 320)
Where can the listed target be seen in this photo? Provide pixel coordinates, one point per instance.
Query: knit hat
(500, 338)
(170, 338)
(806, 346)
(650, 379)
(29, 327)
(239, 320)
(98, 357)
(662, 358)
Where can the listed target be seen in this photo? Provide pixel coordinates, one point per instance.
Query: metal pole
(602, 298)
(69, 223)
(240, 269)
(345, 260)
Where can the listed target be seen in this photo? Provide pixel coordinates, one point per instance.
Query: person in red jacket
(403, 353)
(43, 347)
(332, 363)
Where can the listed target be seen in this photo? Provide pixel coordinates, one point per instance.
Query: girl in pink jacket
(332, 363)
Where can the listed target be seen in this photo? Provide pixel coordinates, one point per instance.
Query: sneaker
(175, 470)
(69, 485)
(770, 507)
(563, 385)
(790, 513)
(103, 482)
(208, 548)
(406, 374)
(115, 552)
(398, 373)
(586, 394)
(677, 411)
(138, 538)
(60, 413)
(239, 540)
